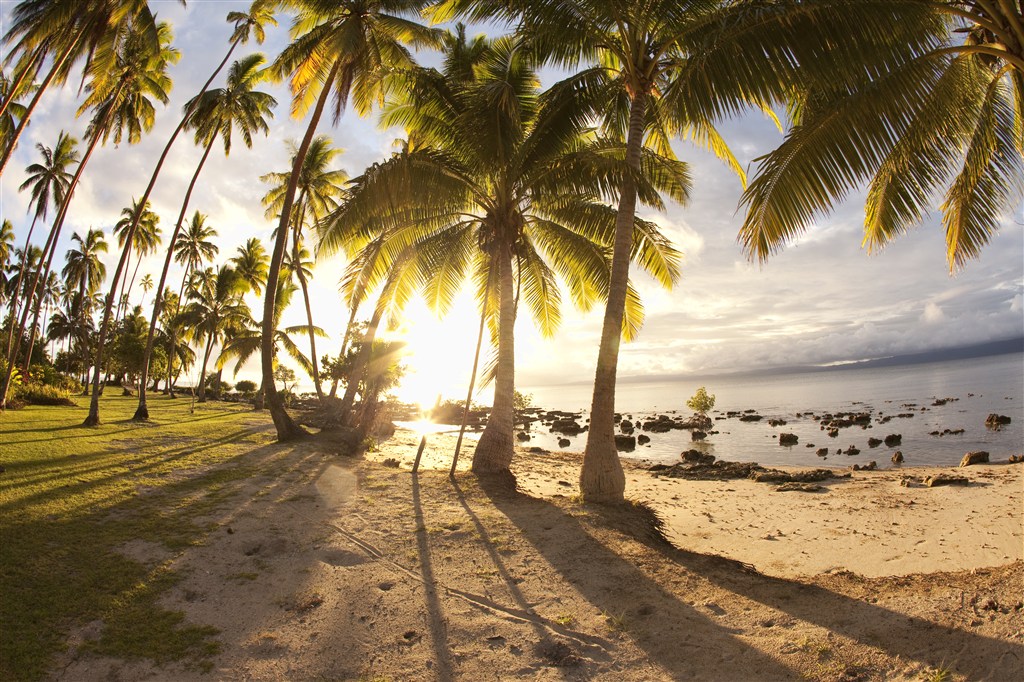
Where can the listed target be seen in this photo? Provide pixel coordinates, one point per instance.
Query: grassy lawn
(70, 500)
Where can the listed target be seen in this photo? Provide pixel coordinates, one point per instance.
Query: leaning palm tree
(947, 120)
(339, 47)
(216, 113)
(49, 182)
(140, 75)
(213, 307)
(319, 191)
(506, 188)
(67, 31)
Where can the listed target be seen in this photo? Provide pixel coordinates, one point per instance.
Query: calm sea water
(978, 387)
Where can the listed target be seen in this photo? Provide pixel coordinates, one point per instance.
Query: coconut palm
(84, 270)
(947, 121)
(339, 47)
(216, 113)
(214, 306)
(49, 182)
(251, 261)
(247, 342)
(13, 111)
(6, 247)
(145, 241)
(504, 187)
(319, 191)
(66, 31)
(147, 285)
(139, 75)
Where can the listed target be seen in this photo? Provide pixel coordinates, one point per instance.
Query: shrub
(701, 402)
(246, 387)
(35, 393)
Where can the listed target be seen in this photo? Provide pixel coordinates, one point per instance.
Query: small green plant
(942, 673)
(616, 622)
(565, 619)
(702, 402)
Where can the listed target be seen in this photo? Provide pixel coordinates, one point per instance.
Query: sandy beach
(875, 523)
(354, 568)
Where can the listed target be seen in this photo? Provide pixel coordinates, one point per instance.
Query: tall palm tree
(84, 270)
(505, 187)
(947, 120)
(147, 285)
(214, 306)
(216, 113)
(145, 241)
(339, 47)
(13, 111)
(66, 31)
(6, 248)
(252, 261)
(49, 182)
(319, 191)
(117, 95)
(140, 74)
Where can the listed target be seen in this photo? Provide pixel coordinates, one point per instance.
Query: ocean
(936, 396)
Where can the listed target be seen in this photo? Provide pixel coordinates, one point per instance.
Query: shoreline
(874, 523)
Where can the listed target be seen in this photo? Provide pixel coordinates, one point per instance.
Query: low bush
(34, 393)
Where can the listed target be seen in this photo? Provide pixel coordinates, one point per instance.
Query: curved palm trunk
(286, 427)
(344, 344)
(202, 372)
(309, 314)
(49, 248)
(30, 70)
(57, 65)
(142, 411)
(469, 393)
(601, 476)
(17, 287)
(494, 451)
(33, 331)
(362, 362)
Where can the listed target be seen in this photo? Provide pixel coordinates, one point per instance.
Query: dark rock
(522, 436)
(809, 476)
(626, 427)
(945, 479)
(751, 418)
(566, 426)
(893, 439)
(976, 457)
(642, 439)
(564, 442)
(625, 443)
(659, 467)
(697, 421)
(776, 422)
(1016, 459)
(697, 457)
(852, 451)
(788, 439)
(697, 435)
(870, 466)
(821, 452)
(799, 487)
(538, 450)
(874, 442)
(996, 420)
(897, 457)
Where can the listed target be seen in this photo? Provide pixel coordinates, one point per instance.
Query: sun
(439, 352)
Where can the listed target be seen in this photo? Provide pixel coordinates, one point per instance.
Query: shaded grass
(71, 498)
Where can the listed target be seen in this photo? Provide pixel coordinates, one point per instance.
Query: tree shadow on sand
(695, 642)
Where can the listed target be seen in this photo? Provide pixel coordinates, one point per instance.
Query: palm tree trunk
(202, 372)
(601, 476)
(344, 344)
(362, 362)
(49, 248)
(286, 427)
(309, 311)
(142, 411)
(17, 285)
(33, 330)
(57, 64)
(30, 71)
(469, 393)
(494, 451)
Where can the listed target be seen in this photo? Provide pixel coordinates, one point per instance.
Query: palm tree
(214, 306)
(49, 182)
(340, 47)
(247, 342)
(319, 191)
(140, 73)
(145, 241)
(504, 187)
(251, 261)
(947, 119)
(12, 111)
(216, 113)
(147, 285)
(117, 94)
(84, 270)
(66, 31)
(6, 246)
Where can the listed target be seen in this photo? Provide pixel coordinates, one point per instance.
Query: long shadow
(438, 627)
(616, 586)
(976, 656)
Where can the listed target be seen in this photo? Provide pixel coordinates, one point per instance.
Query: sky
(822, 300)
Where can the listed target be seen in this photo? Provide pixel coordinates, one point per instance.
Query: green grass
(71, 496)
